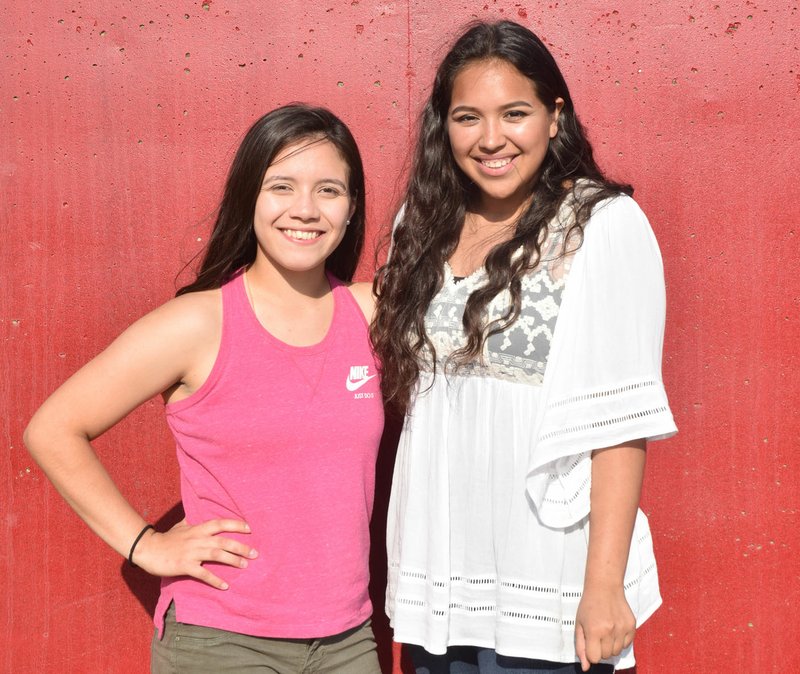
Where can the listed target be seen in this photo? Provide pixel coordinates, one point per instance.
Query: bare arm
(167, 348)
(605, 623)
(366, 300)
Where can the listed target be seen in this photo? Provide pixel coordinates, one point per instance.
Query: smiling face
(302, 208)
(499, 131)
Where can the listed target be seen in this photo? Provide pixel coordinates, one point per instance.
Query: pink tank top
(284, 438)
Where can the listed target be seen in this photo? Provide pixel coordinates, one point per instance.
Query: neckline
(285, 346)
(451, 277)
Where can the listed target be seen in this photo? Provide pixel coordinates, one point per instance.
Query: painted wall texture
(117, 123)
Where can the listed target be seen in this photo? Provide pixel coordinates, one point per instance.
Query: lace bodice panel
(520, 352)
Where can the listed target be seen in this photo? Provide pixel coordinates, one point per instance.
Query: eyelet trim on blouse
(603, 422)
(554, 595)
(602, 394)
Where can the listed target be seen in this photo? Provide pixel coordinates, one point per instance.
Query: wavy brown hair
(233, 244)
(436, 200)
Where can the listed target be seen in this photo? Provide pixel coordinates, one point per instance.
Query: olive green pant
(192, 649)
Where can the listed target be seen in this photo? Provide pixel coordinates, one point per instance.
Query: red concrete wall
(118, 121)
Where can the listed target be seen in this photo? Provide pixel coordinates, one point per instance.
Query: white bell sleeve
(602, 385)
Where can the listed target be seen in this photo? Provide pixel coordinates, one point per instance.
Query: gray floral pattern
(520, 352)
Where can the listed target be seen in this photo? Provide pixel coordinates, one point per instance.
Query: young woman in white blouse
(520, 325)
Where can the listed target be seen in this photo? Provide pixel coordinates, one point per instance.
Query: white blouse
(488, 518)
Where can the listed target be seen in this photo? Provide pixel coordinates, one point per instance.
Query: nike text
(358, 376)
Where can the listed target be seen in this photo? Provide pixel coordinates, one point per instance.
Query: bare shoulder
(366, 300)
(193, 313)
(179, 327)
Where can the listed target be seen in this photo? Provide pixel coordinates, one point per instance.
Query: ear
(559, 104)
(352, 209)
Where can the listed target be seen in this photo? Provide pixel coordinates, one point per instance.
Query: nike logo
(358, 376)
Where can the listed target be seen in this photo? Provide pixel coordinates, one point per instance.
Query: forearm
(69, 461)
(617, 474)
(172, 345)
(71, 465)
(605, 624)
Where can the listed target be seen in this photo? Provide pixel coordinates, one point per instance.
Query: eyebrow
(513, 104)
(289, 179)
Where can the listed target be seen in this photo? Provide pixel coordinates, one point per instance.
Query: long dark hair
(436, 200)
(232, 244)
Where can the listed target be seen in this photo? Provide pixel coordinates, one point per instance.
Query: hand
(182, 550)
(604, 625)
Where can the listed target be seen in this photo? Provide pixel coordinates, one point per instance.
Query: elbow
(32, 436)
(41, 435)
(52, 441)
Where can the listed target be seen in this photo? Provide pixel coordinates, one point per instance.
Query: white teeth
(298, 234)
(495, 163)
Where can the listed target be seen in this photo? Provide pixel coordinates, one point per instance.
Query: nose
(492, 137)
(304, 207)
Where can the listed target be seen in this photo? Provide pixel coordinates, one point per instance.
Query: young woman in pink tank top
(271, 392)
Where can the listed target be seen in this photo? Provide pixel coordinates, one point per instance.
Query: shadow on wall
(377, 560)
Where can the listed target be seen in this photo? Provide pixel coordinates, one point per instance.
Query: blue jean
(472, 660)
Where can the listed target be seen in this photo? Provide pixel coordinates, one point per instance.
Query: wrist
(603, 583)
(146, 531)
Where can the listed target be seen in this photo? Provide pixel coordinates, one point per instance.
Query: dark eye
(466, 118)
(331, 191)
(516, 114)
